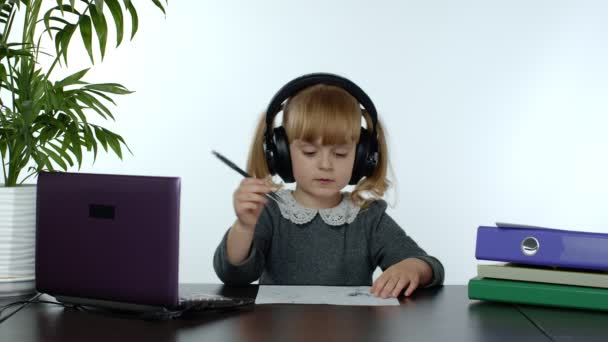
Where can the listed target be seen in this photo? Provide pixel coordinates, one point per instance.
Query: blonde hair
(332, 114)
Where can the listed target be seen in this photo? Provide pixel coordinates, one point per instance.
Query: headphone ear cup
(270, 151)
(282, 157)
(361, 152)
(366, 157)
(371, 160)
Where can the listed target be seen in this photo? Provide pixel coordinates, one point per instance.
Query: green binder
(523, 292)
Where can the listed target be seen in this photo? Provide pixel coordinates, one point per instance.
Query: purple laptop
(113, 241)
(108, 237)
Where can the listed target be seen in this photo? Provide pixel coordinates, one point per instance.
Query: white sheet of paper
(333, 295)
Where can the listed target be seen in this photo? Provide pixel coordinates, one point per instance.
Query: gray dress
(341, 246)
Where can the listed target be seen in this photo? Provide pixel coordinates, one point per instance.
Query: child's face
(322, 171)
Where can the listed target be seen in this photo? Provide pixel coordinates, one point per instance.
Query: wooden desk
(441, 314)
(569, 325)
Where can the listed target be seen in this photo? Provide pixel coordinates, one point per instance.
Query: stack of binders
(541, 266)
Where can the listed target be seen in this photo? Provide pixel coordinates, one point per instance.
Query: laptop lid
(108, 237)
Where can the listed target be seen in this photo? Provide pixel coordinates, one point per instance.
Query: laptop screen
(108, 237)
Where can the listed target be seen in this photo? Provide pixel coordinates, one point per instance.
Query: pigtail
(373, 187)
(256, 162)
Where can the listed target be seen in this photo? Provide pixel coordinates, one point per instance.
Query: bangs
(323, 112)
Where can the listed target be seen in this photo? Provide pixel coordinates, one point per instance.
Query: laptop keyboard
(203, 302)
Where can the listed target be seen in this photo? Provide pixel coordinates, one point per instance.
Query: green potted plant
(44, 121)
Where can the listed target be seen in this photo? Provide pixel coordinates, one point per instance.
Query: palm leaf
(113, 88)
(50, 18)
(65, 41)
(159, 5)
(61, 152)
(7, 12)
(116, 11)
(134, 18)
(101, 28)
(56, 158)
(86, 33)
(101, 137)
(72, 79)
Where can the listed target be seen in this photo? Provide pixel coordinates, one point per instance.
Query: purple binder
(543, 246)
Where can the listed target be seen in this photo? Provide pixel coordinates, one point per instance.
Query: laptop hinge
(108, 304)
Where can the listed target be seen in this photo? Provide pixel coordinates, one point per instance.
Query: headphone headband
(293, 87)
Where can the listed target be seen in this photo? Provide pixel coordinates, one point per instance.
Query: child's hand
(249, 199)
(409, 273)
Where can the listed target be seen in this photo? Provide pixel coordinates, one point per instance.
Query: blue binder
(543, 246)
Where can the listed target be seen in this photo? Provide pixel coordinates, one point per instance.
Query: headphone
(276, 144)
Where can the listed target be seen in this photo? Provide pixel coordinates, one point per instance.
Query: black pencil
(233, 166)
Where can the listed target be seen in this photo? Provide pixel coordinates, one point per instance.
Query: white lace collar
(345, 212)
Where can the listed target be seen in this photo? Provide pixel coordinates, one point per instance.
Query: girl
(318, 234)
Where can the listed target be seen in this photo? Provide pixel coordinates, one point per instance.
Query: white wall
(496, 110)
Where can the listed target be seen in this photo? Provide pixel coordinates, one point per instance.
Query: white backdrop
(496, 111)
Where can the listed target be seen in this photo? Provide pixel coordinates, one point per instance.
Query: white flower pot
(17, 239)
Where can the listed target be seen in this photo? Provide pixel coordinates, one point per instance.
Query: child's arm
(238, 243)
(407, 274)
(248, 202)
(239, 259)
(406, 266)
(252, 266)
